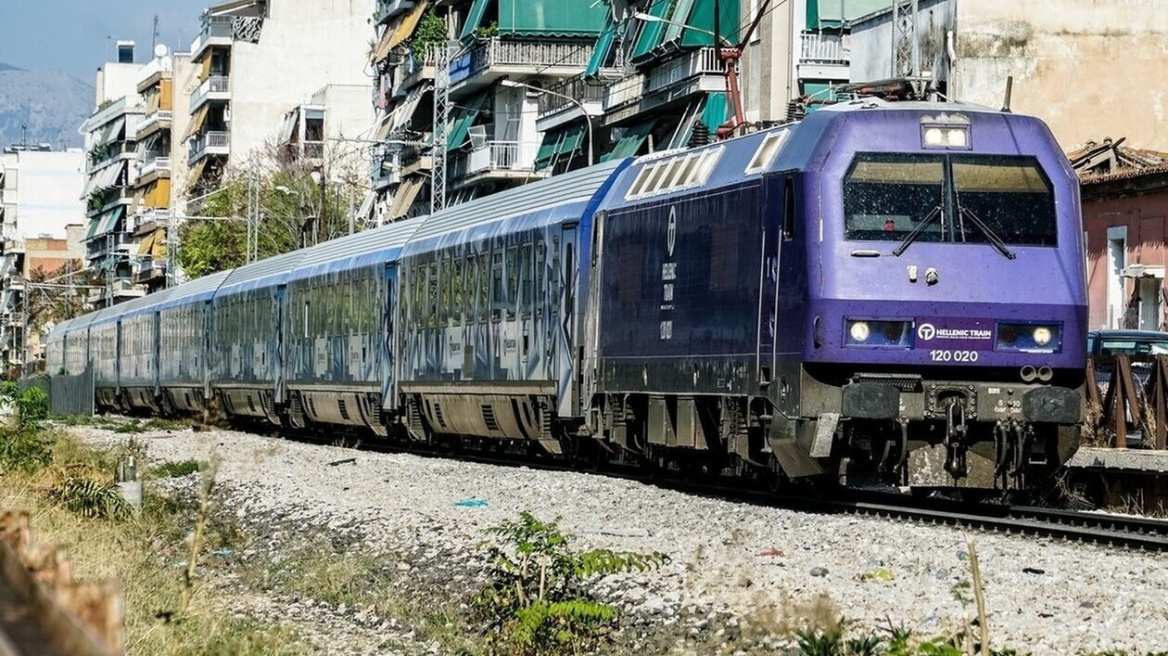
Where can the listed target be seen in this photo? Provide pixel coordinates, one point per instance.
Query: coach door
(389, 311)
(568, 272)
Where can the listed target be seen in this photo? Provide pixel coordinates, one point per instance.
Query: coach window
(513, 268)
(555, 278)
(484, 287)
(525, 280)
(432, 295)
(498, 294)
(458, 295)
(540, 292)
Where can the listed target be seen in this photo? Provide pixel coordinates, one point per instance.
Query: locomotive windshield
(954, 198)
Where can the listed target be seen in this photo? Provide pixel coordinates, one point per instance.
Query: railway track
(1105, 529)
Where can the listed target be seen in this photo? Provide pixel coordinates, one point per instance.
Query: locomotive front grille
(905, 383)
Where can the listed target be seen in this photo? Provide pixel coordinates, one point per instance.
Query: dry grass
(144, 554)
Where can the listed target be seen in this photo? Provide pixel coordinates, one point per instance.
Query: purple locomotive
(883, 292)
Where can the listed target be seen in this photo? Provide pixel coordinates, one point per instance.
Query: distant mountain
(51, 105)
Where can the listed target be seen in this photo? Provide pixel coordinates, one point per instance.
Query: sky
(78, 36)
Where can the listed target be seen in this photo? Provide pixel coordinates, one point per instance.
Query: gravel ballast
(739, 573)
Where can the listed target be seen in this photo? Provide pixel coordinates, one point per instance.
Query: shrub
(536, 600)
(91, 498)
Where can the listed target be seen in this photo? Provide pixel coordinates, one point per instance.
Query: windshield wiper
(912, 236)
(995, 240)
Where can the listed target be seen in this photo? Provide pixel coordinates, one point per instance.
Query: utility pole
(905, 53)
(441, 113)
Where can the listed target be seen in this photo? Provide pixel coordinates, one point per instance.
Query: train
(886, 293)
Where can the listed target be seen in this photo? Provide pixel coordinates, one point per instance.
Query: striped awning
(197, 122)
(407, 192)
(399, 31)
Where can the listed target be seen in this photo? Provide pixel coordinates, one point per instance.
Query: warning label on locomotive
(955, 332)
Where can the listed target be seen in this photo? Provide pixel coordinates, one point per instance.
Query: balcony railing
(624, 91)
(154, 165)
(820, 48)
(497, 52)
(502, 156)
(150, 269)
(213, 84)
(703, 61)
(99, 155)
(208, 140)
(577, 87)
(152, 119)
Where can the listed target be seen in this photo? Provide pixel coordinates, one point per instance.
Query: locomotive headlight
(859, 331)
(1042, 335)
(1042, 338)
(934, 136)
(952, 133)
(878, 332)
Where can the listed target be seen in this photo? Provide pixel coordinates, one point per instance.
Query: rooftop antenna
(154, 36)
(1009, 91)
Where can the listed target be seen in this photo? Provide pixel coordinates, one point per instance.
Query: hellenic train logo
(926, 331)
(671, 236)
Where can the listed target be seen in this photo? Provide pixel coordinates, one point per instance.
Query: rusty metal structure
(1127, 408)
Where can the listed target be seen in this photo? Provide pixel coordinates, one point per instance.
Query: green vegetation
(178, 469)
(537, 599)
(431, 31)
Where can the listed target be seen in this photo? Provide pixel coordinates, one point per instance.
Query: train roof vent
(679, 172)
(767, 151)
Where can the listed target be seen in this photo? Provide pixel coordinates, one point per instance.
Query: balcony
(154, 166)
(107, 244)
(157, 120)
(694, 72)
(154, 71)
(387, 9)
(99, 156)
(150, 270)
(213, 88)
(208, 143)
(556, 110)
(217, 31)
(495, 58)
(824, 56)
(125, 288)
(496, 160)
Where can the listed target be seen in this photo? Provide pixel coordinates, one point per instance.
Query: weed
(26, 451)
(91, 498)
(536, 600)
(178, 469)
(814, 641)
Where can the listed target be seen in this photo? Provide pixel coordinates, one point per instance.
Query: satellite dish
(160, 51)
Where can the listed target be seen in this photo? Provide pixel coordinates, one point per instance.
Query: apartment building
(41, 230)
(258, 60)
(161, 160)
(970, 49)
(108, 194)
(481, 67)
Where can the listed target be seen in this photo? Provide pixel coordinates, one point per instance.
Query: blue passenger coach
(185, 331)
(246, 345)
(492, 310)
(339, 330)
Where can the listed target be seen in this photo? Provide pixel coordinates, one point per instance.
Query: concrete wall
(303, 47)
(1138, 219)
(768, 64)
(48, 192)
(1090, 69)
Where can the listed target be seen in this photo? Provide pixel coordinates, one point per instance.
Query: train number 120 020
(945, 355)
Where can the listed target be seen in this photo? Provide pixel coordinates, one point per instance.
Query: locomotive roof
(268, 271)
(375, 246)
(544, 201)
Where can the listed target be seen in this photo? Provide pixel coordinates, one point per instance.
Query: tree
(289, 206)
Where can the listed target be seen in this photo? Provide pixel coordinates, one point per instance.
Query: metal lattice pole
(904, 47)
(441, 113)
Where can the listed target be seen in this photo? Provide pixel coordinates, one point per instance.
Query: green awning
(474, 18)
(565, 18)
(558, 144)
(652, 31)
(818, 92)
(464, 118)
(827, 13)
(109, 220)
(89, 232)
(677, 21)
(701, 17)
(717, 110)
(631, 142)
(601, 52)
